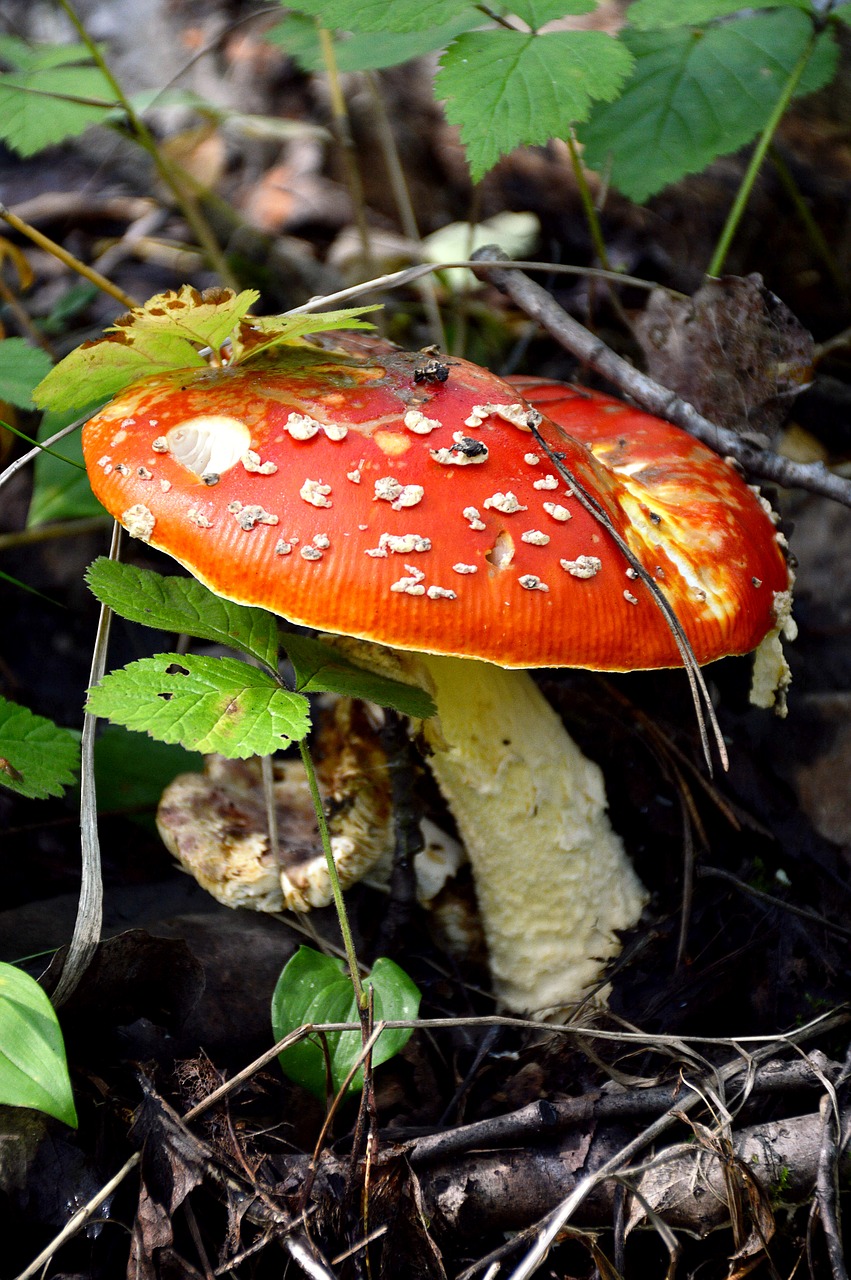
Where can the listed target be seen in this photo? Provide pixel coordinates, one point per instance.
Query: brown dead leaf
(734, 351)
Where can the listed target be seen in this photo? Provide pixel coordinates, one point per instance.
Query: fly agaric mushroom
(370, 494)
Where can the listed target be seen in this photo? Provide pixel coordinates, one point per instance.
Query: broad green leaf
(536, 13)
(33, 1069)
(206, 704)
(698, 94)
(313, 989)
(62, 491)
(132, 770)
(204, 318)
(262, 332)
(35, 57)
(319, 668)
(43, 105)
(184, 605)
(843, 12)
(37, 758)
(507, 88)
(645, 15)
(22, 367)
(99, 370)
(397, 16)
(298, 36)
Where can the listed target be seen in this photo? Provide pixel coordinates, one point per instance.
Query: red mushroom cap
(389, 496)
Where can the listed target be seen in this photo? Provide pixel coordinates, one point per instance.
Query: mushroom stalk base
(552, 878)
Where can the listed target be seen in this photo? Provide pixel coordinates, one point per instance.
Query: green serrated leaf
(206, 704)
(298, 36)
(695, 95)
(384, 15)
(262, 332)
(319, 668)
(62, 491)
(536, 13)
(37, 758)
(186, 606)
(506, 88)
(99, 370)
(33, 1069)
(645, 15)
(31, 57)
(45, 105)
(314, 988)
(186, 313)
(22, 367)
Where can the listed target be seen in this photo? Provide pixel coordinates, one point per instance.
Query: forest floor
(725, 1043)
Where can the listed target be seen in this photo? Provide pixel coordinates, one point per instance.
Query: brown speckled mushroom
(354, 493)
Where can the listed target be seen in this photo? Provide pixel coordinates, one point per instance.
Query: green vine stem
(336, 890)
(169, 173)
(734, 217)
(814, 233)
(592, 217)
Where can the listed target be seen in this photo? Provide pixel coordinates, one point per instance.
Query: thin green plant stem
(343, 133)
(57, 251)
(336, 890)
(22, 435)
(746, 186)
(168, 172)
(814, 232)
(587, 201)
(404, 204)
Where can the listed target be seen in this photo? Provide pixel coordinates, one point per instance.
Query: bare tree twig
(539, 305)
(827, 1175)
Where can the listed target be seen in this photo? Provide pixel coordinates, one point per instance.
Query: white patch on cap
(517, 414)
(283, 548)
(251, 461)
(630, 598)
(582, 566)
(310, 553)
(322, 541)
(354, 476)
(547, 482)
(248, 517)
(419, 423)
(334, 431)
(476, 521)
(139, 522)
(465, 568)
(462, 453)
(144, 474)
(301, 427)
(198, 517)
(441, 593)
(507, 503)
(531, 582)
(399, 544)
(160, 445)
(208, 444)
(105, 464)
(535, 537)
(532, 458)
(399, 495)
(165, 485)
(411, 586)
(316, 493)
(556, 511)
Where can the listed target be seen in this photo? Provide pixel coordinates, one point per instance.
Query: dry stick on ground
(539, 305)
(834, 1129)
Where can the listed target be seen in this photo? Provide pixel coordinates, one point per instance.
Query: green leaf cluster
(180, 329)
(222, 704)
(22, 367)
(33, 1070)
(684, 82)
(314, 988)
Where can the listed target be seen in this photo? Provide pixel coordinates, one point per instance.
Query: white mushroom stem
(552, 878)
